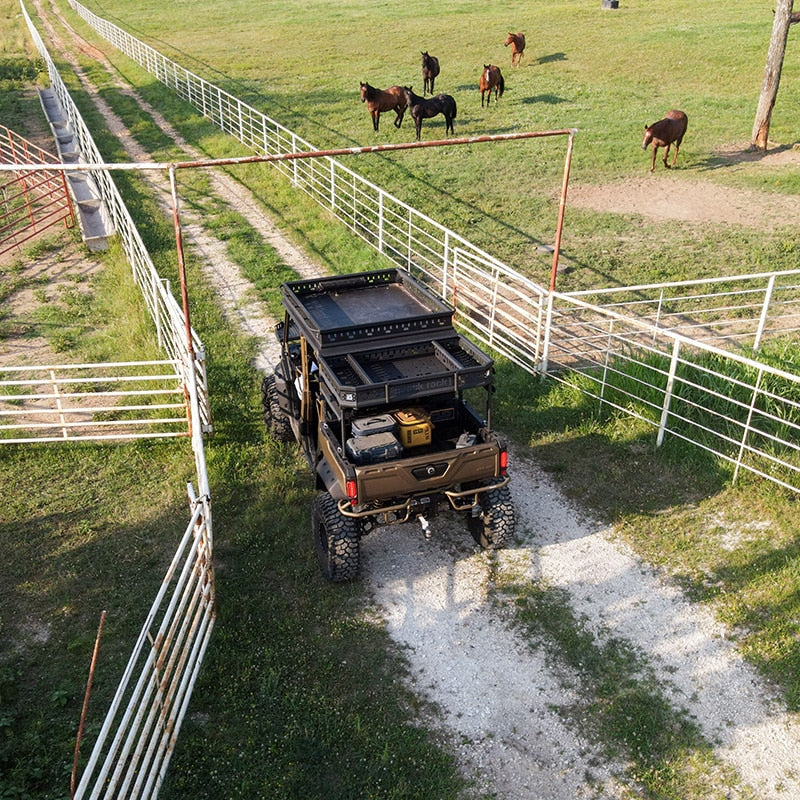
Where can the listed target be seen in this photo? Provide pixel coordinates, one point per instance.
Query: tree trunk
(772, 73)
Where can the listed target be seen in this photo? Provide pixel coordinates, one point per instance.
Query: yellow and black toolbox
(414, 427)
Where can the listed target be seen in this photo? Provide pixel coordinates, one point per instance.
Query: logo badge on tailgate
(429, 471)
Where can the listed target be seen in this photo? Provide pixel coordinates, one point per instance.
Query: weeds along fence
(30, 202)
(131, 754)
(675, 365)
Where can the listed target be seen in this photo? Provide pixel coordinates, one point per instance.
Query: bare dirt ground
(43, 280)
(501, 703)
(666, 195)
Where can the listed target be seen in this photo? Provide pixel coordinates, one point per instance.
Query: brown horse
(517, 42)
(420, 109)
(665, 132)
(430, 69)
(377, 100)
(491, 81)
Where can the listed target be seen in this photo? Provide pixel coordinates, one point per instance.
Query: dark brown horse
(420, 109)
(491, 81)
(517, 42)
(377, 100)
(664, 133)
(430, 69)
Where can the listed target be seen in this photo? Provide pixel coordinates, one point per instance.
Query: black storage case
(373, 449)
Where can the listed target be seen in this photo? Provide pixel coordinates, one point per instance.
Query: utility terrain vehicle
(371, 383)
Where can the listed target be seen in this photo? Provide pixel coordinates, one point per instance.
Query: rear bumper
(402, 511)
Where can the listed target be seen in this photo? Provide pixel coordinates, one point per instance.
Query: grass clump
(621, 705)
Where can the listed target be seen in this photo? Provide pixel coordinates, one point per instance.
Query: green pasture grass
(272, 715)
(606, 73)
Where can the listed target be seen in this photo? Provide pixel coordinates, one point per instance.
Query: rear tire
(493, 528)
(275, 417)
(336, 540)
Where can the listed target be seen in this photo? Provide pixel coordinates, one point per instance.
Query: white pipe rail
(132, 752)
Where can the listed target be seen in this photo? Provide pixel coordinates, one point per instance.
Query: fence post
(746, 431)
(409, 240)
(446, 263)
(493, 307)
(657, 320)
(605, 364)
(547, 326)
(538, 336)
(764, 311)
(380, 222)
(673, 366)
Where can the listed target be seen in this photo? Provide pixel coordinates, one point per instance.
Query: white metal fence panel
(136, 741)
(740, 310)
(743, 411)
(505, 312)
(125, 400)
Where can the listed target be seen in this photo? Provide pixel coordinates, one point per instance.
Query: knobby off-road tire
(493, 528)
(336, 540)
(275, 417)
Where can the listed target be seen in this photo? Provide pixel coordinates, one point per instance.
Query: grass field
(273, 716)
(605, 73)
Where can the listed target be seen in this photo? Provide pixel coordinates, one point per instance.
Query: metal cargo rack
(335, 313)
(398, 374)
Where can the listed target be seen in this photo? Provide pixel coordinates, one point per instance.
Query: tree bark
(772, 74)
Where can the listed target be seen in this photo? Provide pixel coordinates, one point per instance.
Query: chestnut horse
(377, 100)
(491, 81)
(665, 132)
(420, 109)
(517, 42)
(430, 69)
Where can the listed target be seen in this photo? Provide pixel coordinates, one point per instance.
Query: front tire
(493, 528)
(336, 540)
(275, 417)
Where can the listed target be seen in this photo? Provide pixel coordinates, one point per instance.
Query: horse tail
(454, 108)
(502, 84)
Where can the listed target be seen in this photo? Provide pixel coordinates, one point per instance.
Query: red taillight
(352, 491)
(503, 462)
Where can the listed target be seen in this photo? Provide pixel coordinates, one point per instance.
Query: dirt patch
(39, 282)
(673, 195)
